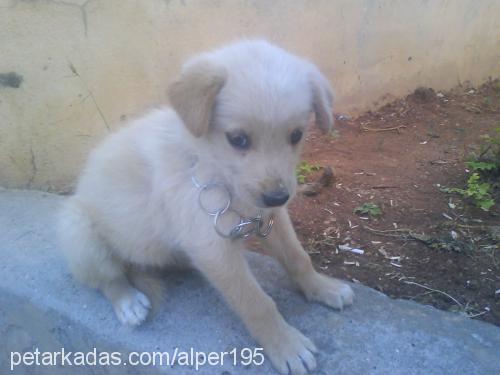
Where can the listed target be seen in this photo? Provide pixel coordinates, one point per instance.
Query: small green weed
(370, 209)
(477, 190)
(304, 169)
(482, 184)
(480, 165)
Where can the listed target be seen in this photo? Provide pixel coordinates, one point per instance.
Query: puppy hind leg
(131, 305)
(92, 263)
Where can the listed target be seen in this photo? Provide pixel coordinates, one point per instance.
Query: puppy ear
(322, 100)
(193, 94)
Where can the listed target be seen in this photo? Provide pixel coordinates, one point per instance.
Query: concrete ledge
(41, 306)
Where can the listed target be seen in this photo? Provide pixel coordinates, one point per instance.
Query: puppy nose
(275, 198)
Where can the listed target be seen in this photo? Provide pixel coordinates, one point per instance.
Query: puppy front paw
(329, 291)
(290, 351)
(132, 308)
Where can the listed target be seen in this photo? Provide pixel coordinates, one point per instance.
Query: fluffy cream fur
(136, 206)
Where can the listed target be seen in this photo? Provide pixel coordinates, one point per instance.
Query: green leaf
(485, 205)
(369, 208)
(304, 169)
(480, 165)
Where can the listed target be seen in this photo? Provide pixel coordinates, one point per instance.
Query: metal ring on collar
(234, 233)
(218, 211)
(240, 231)
(268, 229)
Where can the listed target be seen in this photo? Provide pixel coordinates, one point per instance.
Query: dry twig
(366, 129)
(436, 291)
(405, 234)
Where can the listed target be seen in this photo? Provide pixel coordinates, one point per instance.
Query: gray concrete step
(41, 306)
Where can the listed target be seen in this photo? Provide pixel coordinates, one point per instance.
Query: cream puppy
(189, 183)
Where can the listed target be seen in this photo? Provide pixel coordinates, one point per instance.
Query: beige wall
(88, 65)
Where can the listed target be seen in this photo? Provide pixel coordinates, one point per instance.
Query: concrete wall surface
(71, 71)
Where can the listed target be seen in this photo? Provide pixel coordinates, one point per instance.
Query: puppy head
(247, 107)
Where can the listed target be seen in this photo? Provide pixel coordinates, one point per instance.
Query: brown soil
(402, 171)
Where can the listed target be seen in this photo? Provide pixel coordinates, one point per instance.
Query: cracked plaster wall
(72, 71)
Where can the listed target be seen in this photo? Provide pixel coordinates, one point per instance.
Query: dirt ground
(427, 245)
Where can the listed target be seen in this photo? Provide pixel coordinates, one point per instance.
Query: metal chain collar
(245, 227)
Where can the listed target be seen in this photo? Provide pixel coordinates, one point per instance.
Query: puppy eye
(238, 140)
(296, 136)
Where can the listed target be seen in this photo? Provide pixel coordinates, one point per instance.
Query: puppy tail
(150, 284)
